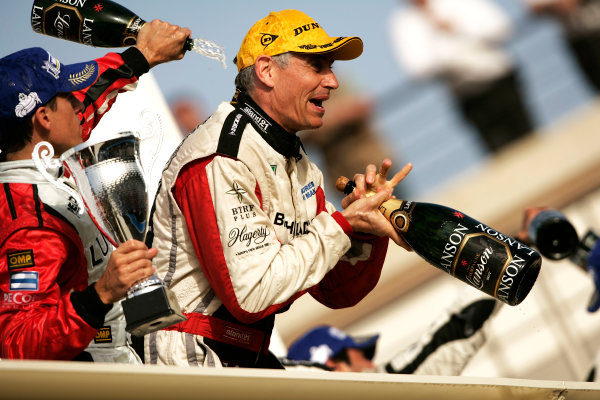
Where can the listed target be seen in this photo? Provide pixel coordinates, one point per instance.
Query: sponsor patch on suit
(24, 280)
(20, 259)
(104, 335)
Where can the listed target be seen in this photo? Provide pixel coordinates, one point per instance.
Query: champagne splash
(209, 49)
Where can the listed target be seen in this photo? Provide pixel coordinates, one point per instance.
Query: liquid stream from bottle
(209, 49)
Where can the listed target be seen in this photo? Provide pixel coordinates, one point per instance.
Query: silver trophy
(111, 183)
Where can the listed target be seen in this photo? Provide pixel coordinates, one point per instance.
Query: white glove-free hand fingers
(129, 263)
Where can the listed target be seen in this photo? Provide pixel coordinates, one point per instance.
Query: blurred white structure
(548, 336)
(69, 380)
(145, 111)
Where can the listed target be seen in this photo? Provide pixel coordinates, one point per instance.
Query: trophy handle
(151, 136)
(43, 158)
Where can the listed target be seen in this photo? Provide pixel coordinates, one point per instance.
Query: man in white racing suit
(241, 222)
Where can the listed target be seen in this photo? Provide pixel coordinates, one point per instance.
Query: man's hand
(161, 42)
(362, 211)
(528, 215)
(373, 181)
(364, 216)
(129, 263)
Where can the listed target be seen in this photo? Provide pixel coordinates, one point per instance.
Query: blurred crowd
(469, 49)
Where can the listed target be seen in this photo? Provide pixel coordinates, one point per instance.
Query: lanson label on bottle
(99, 24)
(484, 259)
(62, 21)
(480, 260)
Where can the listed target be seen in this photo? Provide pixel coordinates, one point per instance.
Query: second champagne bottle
(463, 247)
(102, 23)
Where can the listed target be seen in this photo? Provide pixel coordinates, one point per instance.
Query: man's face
(300, 90)
(66, 127)
(357, 362)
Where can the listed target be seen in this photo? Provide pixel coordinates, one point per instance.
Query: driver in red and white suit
(241, 221)
(58, 278)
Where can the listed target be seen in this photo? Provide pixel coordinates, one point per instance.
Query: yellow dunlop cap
(292, 30)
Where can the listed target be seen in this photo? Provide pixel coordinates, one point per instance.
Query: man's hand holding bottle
(361, 206)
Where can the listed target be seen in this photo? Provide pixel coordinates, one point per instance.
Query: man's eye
(320, 66)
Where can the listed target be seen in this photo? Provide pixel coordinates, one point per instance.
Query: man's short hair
(246, 78)
(20, 133)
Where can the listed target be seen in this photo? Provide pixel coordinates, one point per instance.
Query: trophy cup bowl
(110, 179)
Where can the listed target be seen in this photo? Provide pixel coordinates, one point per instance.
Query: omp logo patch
(20, 259)
(104, 335)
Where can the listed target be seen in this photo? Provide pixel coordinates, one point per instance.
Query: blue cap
(31, 77)
(323, 342)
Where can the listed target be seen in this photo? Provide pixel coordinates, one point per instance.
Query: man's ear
(264, 67)
(41, 118)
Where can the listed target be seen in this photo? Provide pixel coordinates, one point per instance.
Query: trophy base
(151, 311)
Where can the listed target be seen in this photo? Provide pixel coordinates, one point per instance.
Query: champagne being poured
(102, 23)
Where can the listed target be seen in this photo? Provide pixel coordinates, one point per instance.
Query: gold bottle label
(398, 213)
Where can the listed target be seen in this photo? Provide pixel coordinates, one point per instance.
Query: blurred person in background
(188, 113)
(348, 139)
(586, 257)
(580, 20)
(451, 341)
(460, 42)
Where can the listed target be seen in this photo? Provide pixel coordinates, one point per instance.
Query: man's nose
(331, 80)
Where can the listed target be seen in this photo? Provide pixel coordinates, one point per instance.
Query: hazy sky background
(421, 126)
(226, 22)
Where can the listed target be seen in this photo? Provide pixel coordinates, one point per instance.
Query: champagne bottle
(553, 235)
(557, 239)
(101, 23)
(463, 247)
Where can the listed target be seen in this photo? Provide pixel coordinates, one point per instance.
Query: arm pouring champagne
(102, 24)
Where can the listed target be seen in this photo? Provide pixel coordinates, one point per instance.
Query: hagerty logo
(257, 236)
(237, 335)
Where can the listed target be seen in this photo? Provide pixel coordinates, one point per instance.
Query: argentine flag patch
(24, 280)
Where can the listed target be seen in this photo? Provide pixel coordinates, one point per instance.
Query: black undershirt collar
(285, 143)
